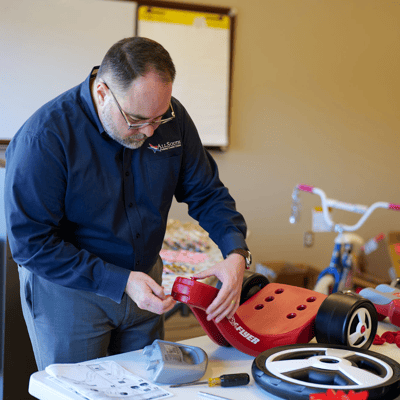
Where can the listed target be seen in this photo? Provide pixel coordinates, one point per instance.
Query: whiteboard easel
(200, 46)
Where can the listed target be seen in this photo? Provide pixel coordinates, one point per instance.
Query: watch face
(248, 258)
(245, 253)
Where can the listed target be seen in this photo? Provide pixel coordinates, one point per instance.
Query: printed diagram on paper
(104, 381)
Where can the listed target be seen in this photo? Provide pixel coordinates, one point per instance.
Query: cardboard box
(291, 274)
(379, 258)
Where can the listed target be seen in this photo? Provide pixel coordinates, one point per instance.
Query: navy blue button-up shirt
(83, 211)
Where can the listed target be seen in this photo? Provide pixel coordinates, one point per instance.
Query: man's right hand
(148, 294)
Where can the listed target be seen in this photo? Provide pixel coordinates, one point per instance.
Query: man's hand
(148, 294)
(230, 273)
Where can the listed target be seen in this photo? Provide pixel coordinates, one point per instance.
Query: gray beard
(111, 130)
(128, 142)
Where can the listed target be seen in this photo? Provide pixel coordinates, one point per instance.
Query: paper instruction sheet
(104, 381)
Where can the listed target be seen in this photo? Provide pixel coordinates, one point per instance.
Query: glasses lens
(154, 124)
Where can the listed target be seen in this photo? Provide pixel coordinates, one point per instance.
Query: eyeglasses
(138, 126)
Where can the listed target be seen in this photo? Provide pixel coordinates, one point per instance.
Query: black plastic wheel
(347, 320)
(252, 283)
(296, 371)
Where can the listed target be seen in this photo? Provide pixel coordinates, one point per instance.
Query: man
(89, 183)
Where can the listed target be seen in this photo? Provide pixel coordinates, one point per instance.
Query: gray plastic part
(175, 363)
(381, 295)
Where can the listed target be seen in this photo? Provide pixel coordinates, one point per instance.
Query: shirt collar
(88, 102)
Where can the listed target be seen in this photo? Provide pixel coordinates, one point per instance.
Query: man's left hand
(230, 272)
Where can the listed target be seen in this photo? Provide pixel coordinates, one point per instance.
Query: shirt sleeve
(208, 199)
(35, 189)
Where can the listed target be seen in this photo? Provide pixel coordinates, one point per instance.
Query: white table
(222, 360)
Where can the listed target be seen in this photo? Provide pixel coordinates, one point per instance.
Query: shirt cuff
(232, 242)
(114, 283)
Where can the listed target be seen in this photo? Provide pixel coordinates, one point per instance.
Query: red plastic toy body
(277, 315)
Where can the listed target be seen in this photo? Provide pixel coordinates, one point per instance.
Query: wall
(49, 46)
(316, 101)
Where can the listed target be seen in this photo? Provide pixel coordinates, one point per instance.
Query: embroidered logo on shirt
(165, 146)
(154, 148)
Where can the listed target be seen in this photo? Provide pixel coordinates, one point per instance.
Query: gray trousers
(69, 326)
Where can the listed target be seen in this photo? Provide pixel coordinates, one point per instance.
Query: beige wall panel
(316, 100)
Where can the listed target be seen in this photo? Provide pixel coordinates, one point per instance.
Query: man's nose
(147, 130)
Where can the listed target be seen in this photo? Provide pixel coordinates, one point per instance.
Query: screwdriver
(223, 380)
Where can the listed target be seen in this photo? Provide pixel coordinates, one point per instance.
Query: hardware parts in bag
(174, 362)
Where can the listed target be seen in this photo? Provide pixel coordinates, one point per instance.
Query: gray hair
(133, 57)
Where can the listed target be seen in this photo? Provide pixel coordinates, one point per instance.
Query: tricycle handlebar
(331, 203)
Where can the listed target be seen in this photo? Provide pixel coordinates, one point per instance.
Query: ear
(101, 92)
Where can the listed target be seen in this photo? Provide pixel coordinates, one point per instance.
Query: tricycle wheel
(252, 284)
(346, 320)
(303, 371)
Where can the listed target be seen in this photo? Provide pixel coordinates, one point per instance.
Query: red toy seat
(276, 315)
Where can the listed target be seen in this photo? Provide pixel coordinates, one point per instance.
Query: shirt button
(126, 173)
(137, 262)
(130, 204)
(137, 235)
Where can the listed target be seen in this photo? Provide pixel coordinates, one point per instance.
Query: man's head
(132, 58)
(134, 86)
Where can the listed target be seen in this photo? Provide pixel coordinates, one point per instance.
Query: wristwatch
(245, 253)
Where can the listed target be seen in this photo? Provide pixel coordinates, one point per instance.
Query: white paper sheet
(105, 381)
(201, 55)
